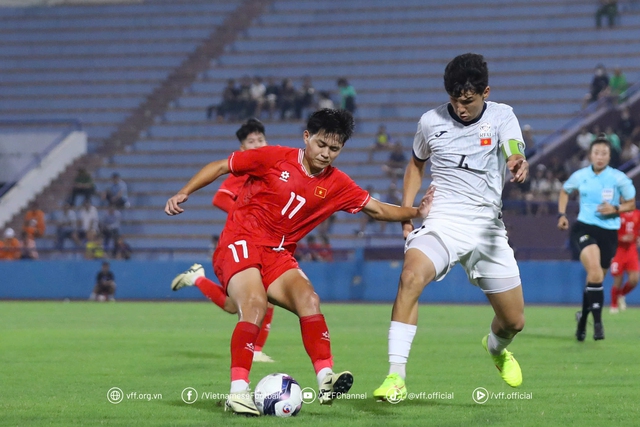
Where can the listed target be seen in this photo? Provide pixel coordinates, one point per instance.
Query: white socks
(496, 344)
(400, 339)
(238, 386)
(322, 373)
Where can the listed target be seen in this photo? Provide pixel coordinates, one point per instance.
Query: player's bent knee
(411, 281)
(514, 325)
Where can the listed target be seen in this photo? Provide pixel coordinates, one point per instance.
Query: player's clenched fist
(172, 208)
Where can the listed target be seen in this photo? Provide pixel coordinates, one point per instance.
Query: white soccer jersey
(468, 160)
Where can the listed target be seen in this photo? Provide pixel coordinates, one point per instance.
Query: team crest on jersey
(284, 176)
(320, 192)
(485, 134)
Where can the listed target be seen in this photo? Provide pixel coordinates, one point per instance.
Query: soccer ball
(279, 395)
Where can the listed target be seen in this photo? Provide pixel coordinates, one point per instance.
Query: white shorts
(481, 246)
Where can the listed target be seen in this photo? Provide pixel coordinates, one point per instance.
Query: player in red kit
(251, 135)
(289, 192)
(625, 260)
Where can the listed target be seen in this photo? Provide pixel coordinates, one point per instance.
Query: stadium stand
(393, 55)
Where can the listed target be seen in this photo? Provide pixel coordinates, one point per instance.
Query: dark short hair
(466, 73)
(250, 126)
(332, 122)
(601, 139)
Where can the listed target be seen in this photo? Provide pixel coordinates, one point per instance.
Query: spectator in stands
(627, 125)
(105, 287)
(228, 107)
(394, 167)
(529, 141)
(394, 196)
(83, 185)
(325, 253)
(306, 97)
(272, 95)
(584, 139)
(556, 166)
(287, 99)
(122, 249)
(347, 96)
(258, 93)
(93, 248)
(117, 195)
(246, 104)
(608, 8)
(617, 86)
(111, 228)
(28, 247)
(382, 141)
(34, 224)
(537, 198)
(325, 100)
(599, 86)
(87, 220)
(314, 249)
(10, 248)
(66, 226)
(629, 151)
(326, 226)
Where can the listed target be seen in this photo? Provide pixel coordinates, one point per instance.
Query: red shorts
(235, 254)
(626, 259)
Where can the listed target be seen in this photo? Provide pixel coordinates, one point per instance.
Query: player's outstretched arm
(519, 168)
(388, 212)
(204, 177)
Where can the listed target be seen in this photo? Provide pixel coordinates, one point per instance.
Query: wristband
(617, 208)
(560, 215)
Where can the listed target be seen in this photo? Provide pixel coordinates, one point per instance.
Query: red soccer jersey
(629, 227)
(281, 202)
(230, 187)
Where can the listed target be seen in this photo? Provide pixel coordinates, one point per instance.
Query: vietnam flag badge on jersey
(485, 141)
(320, 192)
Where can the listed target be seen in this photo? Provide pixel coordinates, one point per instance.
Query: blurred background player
(471, 143)
(625, 260)
(251, 135)
(288, 193)
(604, 194)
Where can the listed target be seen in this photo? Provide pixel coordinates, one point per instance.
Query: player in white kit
(471, 143)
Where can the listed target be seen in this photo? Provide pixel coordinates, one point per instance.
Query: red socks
(614, 296)
(242, 345)
(625, 289)
(315, 337)
(212, 291)
(264, 331)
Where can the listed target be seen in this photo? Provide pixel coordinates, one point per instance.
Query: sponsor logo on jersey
(439, 134)
(320, 192)
(583, 238)
(485, 134)
(284, 176)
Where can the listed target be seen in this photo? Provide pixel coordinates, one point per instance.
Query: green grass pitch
(58, 360)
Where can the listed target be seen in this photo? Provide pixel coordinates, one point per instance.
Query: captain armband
(511, 147)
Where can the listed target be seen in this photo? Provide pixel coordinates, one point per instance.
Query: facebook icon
(189, 395)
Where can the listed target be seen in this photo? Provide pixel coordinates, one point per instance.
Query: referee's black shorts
(583, 235)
